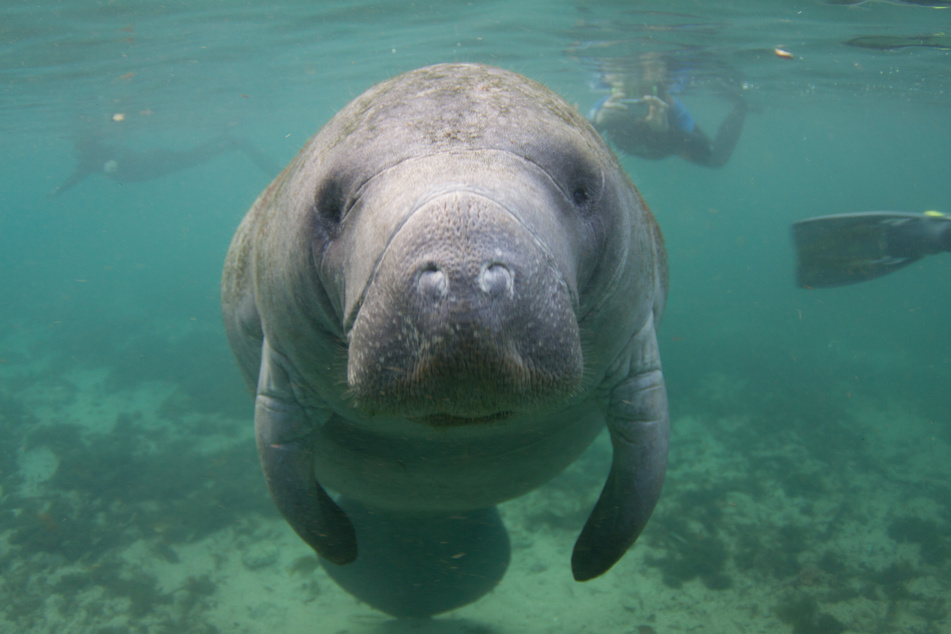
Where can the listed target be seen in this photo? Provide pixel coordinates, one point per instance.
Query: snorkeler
(850, 248)
(641, 117)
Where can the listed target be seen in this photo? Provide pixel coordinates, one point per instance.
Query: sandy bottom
(127, 507)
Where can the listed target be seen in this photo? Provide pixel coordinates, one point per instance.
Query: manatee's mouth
(447, 420)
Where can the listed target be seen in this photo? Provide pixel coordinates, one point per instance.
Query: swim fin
(849, 248)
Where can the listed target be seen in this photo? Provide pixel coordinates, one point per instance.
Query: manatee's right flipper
(639, 423)
(420, 564)
(284, 436)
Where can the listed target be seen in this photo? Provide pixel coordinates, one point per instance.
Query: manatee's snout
(468, 317)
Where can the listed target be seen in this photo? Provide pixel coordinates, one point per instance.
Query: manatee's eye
(330, 203)
(585, 188)
(580, 196)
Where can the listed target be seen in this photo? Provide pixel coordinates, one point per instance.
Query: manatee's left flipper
(284, 437)
(639, 423)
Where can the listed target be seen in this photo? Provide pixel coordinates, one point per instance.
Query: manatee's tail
(418, 565)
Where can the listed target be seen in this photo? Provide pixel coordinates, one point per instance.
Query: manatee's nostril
(432, 283)
(496, 281)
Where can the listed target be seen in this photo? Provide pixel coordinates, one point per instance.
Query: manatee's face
(459, 269)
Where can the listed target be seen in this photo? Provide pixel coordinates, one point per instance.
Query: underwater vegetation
(802, 612)
(138, 482)
(769, 498)
(931, 536)
(766, 490)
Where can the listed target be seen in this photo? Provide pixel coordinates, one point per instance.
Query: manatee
(127, 165)
(439, 304)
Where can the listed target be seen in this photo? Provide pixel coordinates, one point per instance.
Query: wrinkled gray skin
(441, 301)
